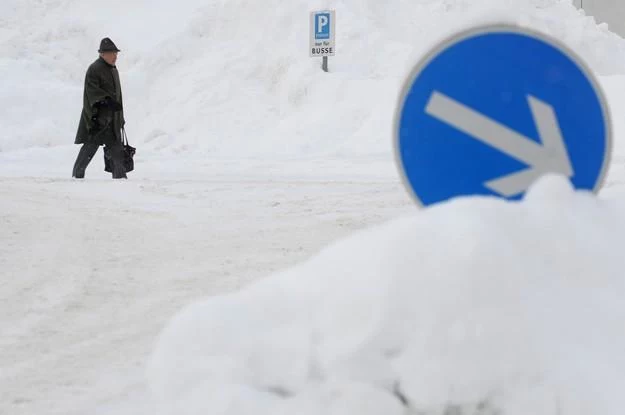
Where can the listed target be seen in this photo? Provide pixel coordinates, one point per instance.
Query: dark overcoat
(101, 123)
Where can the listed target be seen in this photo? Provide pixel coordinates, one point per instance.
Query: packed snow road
(93, 269)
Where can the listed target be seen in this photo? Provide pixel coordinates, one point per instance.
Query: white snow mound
(477, 305)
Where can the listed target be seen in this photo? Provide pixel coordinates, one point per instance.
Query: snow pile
(476, 306)
(234, 77)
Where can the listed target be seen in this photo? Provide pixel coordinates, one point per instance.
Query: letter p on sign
(322, 26)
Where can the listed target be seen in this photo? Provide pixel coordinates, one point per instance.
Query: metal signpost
(322, 35)
(492, 109)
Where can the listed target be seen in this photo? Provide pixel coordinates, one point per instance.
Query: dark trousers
(88, 150)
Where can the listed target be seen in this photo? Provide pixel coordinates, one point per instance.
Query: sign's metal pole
(324, 64)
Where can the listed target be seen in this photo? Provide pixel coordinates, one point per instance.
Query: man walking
(102, 115)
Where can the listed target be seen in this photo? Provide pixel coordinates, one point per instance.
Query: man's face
(109, 57)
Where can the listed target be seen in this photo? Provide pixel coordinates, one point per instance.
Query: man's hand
(95, 124)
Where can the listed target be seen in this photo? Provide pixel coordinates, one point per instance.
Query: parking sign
(322, 30)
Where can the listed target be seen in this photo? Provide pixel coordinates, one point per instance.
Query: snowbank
(478, 304)
(234, 78)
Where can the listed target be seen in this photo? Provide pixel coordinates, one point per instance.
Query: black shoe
(78, 174)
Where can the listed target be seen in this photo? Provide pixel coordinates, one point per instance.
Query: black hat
(107, 45)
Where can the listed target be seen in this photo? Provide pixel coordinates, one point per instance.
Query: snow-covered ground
(91, 271)
(250, 162)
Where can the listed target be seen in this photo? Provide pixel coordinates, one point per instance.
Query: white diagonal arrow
(550, 157)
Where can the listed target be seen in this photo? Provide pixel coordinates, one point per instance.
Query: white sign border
(500, 28)
(332, 39)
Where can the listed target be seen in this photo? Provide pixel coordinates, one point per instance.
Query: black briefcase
(129, 154)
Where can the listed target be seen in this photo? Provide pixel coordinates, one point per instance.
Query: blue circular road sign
(492, 109)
